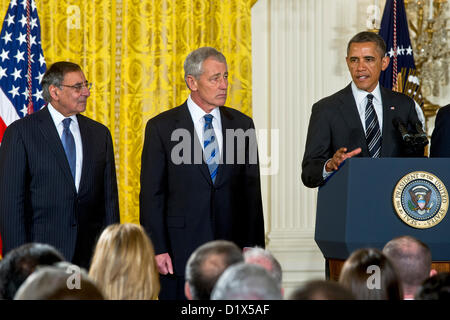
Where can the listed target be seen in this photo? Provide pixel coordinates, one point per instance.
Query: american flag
(394, 30)
(22, 63)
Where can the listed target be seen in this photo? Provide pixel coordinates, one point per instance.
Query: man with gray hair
(206, 264)
(193, 188)
(265, 259)
(244, 281)
(57, 172)
(412, 260)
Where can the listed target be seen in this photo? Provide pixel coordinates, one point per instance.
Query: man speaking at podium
(363, 119)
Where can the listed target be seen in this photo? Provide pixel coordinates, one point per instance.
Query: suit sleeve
(440, 139)
(254, 208)
(317, 148)
(110, 183)
(152, 197)
(13, 182)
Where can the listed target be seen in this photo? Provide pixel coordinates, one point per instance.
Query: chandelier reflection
(430, 40)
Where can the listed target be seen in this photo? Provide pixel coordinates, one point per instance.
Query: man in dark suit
(358, 120)
(57, 172)
(440, 139)
(200, 173)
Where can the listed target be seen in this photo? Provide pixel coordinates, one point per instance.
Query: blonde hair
(124, 265)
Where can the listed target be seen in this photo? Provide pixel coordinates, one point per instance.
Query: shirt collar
(360, 95)
(197, 113)
(58, 117)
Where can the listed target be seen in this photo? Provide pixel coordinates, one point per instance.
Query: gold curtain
(133, 51)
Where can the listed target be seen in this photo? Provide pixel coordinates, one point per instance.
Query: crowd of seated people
(123, 267)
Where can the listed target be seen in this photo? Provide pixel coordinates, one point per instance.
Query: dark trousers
(172, 287)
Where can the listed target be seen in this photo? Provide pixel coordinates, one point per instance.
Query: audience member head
(369, 275)
(321, 290)
(265, 259)
(123, 264)
(19, 263)
(62, 281)
(206, 264)
(245, 281)
(412, 260)
(436, 287)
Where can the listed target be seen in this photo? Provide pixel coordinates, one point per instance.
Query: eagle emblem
(420, 197)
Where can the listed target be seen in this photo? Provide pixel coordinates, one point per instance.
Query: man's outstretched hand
(340, 156)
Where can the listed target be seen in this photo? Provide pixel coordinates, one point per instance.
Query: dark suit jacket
(440, 139)
(335, 123)
(39, 201)
(180, 207)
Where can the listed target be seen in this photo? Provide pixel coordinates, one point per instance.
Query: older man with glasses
(57, 173)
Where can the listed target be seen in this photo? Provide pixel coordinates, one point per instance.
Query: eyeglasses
(77, 87)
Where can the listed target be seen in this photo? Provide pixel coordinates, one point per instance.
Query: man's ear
(385, 62)
(53, 90)
(187, 291)
(191, 82)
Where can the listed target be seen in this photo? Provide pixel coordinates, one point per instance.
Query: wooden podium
(355, 210)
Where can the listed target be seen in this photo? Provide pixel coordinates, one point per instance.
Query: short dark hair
(207, 263)
(321, 290)
(55, 76)
(355, 274)
(367, 36)
(19, 263)
(51, 283)
(436, 287)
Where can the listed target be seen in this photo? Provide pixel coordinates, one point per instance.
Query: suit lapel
(351, 116)
(227, 123)
(184, 121)
(388, 115)
(88, 160)
(53, 140)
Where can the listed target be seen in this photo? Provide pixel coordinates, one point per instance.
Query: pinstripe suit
(38, 198)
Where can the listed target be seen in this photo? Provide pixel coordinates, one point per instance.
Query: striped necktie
(69, 145)
(373, 132)
(211, 148)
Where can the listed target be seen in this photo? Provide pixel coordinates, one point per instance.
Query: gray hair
(266, 259)
(243, 281)
(55, 76)
(193, 65)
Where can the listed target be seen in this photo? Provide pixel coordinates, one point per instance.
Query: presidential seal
(420, 199)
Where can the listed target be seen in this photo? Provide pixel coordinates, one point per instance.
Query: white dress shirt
(197, 115)
(75, 129)
(360, 97)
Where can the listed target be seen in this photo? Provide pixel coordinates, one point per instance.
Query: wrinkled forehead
(74, 77)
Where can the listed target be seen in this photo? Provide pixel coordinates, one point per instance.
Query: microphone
(421, 136)
(397, 122)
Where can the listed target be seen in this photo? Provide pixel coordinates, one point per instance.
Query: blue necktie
(211, 148)
(373, 132)
(69, 145)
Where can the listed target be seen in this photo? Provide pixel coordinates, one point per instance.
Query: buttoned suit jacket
(335, 123)
(39, 200)
(180, 207)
